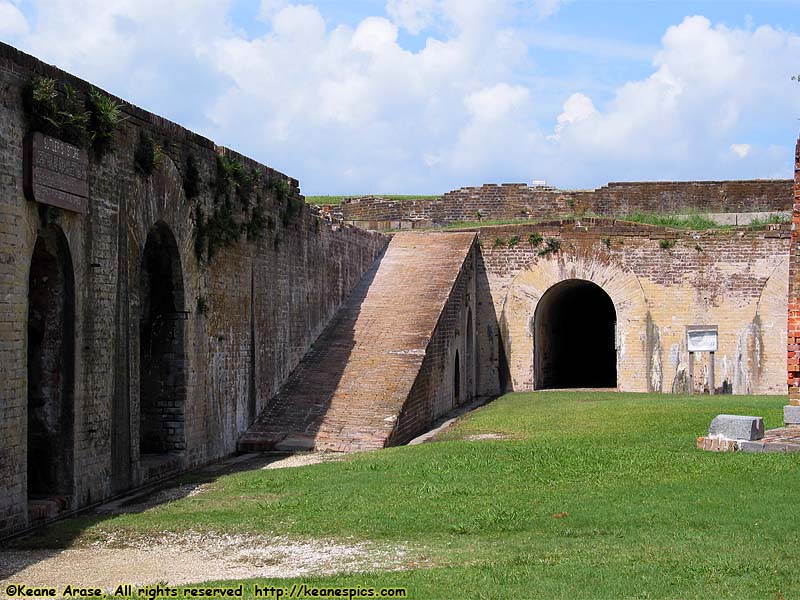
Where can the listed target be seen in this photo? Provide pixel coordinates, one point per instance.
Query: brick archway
(530, 285)
(162, 359)
(51, 371)
(573, 319)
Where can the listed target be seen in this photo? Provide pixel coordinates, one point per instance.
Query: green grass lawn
(594, 495)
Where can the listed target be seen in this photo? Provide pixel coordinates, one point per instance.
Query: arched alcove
(50, 367)
(162, 376)
(470, 357)
(574, 337)
(456, 380)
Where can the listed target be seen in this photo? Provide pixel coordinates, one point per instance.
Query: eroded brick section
(793, 341)
(347, 393)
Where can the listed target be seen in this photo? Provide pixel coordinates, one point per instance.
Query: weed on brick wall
(551, 246)
(147, 155)
(238, 207)
(64, 113)
(202, 305)
(191, 178)
(535, 239)
(104, 116)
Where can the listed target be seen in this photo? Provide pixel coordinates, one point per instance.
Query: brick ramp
(347, 392)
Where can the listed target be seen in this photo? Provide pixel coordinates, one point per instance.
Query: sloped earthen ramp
(348, 391)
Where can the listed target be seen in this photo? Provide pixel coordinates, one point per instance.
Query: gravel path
(189, 558)
(185, 558)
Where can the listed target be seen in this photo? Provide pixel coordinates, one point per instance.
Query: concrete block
(737, 427)
(747, 446)
(296, 443)
(791, 415)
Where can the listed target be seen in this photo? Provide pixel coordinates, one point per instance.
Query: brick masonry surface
(245, 319)
(520, 201)
(660, 281)
(793, 347)
(385, 366)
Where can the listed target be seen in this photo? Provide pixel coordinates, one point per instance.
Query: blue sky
(424, 96)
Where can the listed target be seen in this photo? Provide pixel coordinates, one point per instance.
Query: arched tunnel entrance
(162, 383)
(574, 337)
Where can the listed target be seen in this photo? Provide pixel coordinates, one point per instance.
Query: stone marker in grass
(737, 427)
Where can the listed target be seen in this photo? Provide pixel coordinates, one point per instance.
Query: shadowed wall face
(50, 368)
(161, 346)
(574, 341)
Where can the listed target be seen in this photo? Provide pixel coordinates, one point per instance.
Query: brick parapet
(520, 201)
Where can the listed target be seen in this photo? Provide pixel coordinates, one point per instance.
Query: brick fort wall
(242, 320)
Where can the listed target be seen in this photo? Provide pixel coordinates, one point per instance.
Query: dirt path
(189, 558)
(184, 558)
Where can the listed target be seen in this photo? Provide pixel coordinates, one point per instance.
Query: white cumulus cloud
(349, 109)
(413, 15)
(741, 150)
(496, 102)
(12, 21)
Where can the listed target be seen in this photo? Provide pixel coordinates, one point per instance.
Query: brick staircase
(347, 392)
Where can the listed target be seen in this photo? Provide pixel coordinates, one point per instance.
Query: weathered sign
(56, 173)
(701, 338)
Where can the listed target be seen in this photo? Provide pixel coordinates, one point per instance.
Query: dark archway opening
(470, 358)
(456, 382)
(162, 385)
(574, 340)
(51, 364)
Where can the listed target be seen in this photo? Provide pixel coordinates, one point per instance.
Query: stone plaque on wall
(701, 338)
(56, 173)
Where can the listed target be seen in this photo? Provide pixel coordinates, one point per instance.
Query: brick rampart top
(520, 200)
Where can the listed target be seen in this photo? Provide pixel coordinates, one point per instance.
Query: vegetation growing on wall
(147, 155)
(191, 178)
(688, 221)
(202, 305)
(666, 244)
(759, 223)
(551, 246)
(61, 115)
(104, 116)
(237, 205)
(69, 116)
(290, 205)
(535, 239)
